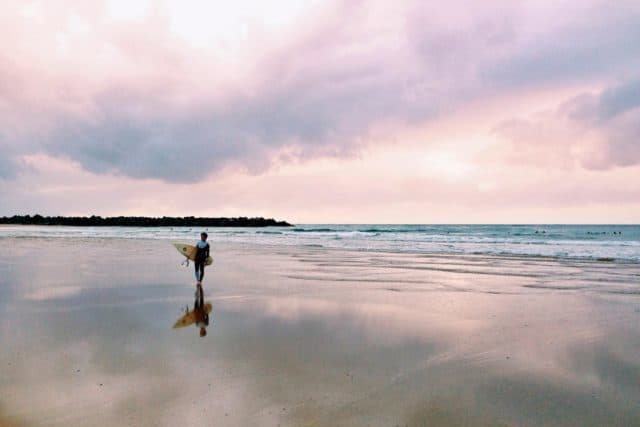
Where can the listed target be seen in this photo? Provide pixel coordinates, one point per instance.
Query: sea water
(599, 242)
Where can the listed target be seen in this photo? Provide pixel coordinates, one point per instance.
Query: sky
(322, 111)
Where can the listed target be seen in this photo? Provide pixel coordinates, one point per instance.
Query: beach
(310, 335)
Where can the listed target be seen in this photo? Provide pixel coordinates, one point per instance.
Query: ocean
(620, 243)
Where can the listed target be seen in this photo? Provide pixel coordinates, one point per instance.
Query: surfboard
(189, 251)
(190, 317)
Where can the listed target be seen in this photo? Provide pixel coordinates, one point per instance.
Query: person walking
(201, 257)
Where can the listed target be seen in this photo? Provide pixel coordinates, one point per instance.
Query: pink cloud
(87, 83)
(132, 102)
(596, 131)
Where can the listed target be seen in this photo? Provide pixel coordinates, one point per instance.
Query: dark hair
(203, 234)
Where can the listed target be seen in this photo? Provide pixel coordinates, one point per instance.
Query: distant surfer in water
(201, 256)
(200, 312)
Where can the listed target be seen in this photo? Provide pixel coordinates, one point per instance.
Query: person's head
(203, 332)
(204, 236)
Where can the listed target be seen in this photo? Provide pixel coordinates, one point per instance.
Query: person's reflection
(198, 316)
(200, 312)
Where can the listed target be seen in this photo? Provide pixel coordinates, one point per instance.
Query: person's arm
(207, 252)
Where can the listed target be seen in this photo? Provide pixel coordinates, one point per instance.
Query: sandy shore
(309, 336)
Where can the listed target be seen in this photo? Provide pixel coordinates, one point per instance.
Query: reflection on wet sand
(317, 337)
(9, 422)
(199, 316)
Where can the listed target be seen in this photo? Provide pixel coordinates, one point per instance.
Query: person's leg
(199, 271)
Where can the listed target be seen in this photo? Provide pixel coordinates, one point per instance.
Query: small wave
(623, 291)
(555, 287)
(404, 230)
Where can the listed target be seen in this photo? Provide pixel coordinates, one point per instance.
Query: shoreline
(505, 255)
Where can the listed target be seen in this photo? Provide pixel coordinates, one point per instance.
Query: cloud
(132, 97)
(8, 168)
(320, 94)
(619, 99)
(10, 164)
(616, 112)
(574, 41)
(598, 131)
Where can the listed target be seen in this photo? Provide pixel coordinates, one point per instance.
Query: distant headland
(143, 221)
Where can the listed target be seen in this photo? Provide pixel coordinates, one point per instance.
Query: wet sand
(309, 336)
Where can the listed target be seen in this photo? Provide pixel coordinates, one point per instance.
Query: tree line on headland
(143, 221)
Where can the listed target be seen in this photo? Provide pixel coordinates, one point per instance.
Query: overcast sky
(322, 111)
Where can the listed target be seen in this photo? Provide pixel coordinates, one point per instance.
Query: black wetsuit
(201, 258)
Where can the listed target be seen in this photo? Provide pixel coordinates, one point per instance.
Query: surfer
(201, 256)
(201, 315)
